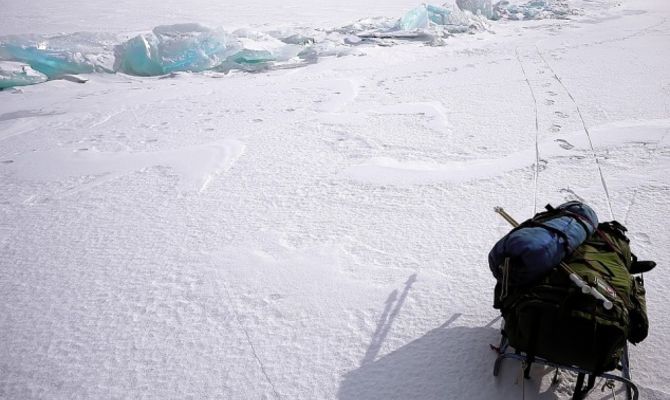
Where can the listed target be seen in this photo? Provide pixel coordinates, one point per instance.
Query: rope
(586, 130)
(537, 130)
(505, 280)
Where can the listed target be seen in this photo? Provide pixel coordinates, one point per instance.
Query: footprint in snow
(542, 165)
(549, 102)
(551, 93)
(570, 194)
(642, 238)
(564, 144)
(561, 114)
(555, 128)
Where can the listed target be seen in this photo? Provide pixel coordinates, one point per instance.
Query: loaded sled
(569, 297)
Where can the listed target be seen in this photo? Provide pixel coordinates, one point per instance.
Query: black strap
(529, 363)
(577, 393)
(580, 391)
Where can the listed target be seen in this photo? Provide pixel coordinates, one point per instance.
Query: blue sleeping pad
(539, 244)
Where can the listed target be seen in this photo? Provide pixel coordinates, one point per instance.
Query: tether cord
(586, 130)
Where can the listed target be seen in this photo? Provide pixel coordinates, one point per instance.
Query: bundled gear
(579, 315)
(538, 245)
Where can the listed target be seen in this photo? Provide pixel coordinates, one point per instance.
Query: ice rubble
(192, 47)
(52, 63)
(195, 48)
(480, 7)
(56, 56)
(18, 74)
(534, 9)
(426, 15)
(184, 47)
(428, 21)
(518, 10)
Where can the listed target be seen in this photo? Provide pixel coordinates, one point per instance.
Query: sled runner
(568, 295)
(632, 392)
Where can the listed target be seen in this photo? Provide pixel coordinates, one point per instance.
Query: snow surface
(318, 232)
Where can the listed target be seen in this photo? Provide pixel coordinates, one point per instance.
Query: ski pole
(576, 279)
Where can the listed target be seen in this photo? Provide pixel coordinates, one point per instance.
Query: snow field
(320, 232)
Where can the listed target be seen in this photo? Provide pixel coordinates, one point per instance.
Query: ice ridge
(26, 60)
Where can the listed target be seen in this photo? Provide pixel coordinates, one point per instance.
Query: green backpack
(555, 320)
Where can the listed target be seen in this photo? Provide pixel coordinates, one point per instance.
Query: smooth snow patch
(197, 166)
(435, 111)
(388, 171)
(301, 273)
(648, 131)
(345, 91)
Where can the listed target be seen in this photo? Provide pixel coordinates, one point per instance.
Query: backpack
(555, 320)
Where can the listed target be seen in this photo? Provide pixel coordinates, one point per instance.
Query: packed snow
(296, 202)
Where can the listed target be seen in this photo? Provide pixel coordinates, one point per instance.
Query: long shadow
(392, 307)
(445, 363)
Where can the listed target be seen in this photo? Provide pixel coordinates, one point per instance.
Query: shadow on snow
(445, 363)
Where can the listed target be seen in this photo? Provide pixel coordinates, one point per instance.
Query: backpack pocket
(639, 322)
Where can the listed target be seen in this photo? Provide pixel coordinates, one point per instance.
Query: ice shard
(534, 9)
(416, 18)
(18, 74)
(171, 48)
(439, 15)
(479, 7)
(433, 21)
(249, 60)
(52, 63)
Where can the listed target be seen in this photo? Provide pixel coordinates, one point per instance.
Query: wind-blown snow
(385, 171)
(317, 232)
(195, 165)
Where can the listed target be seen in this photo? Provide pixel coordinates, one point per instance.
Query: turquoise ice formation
(171, 48)
(52, 63)
(18, 74)
(195, 48)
